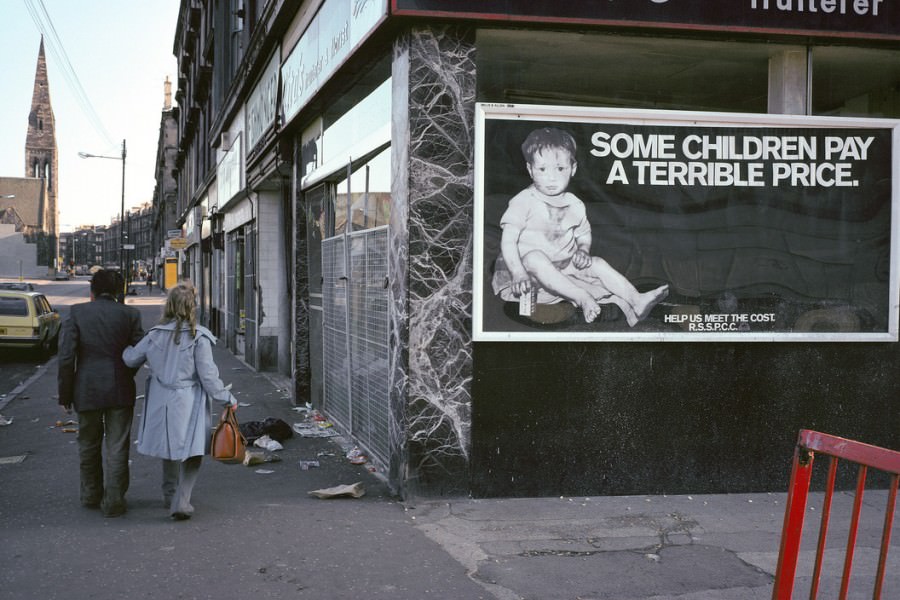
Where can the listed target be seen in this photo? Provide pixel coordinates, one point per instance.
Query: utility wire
(42, 20)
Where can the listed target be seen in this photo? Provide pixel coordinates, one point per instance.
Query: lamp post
(122, 238)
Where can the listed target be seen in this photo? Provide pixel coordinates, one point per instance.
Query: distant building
(41, 161)
(165, 194)
(28, 205)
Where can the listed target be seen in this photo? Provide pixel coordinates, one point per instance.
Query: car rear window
(15, 307)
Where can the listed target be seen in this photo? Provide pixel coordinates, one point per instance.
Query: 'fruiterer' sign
(725, 226)
(825, 18)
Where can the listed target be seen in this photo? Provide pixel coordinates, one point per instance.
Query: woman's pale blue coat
(183, 380)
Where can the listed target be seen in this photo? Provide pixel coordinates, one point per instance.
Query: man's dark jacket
(91, 372)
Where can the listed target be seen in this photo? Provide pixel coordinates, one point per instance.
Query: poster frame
(485, 112)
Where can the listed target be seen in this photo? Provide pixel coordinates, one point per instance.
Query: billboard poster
(636, 225)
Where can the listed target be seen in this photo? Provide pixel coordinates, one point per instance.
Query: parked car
(28, 321)
(21, 286)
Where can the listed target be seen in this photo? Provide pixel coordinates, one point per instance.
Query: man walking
(94, 379)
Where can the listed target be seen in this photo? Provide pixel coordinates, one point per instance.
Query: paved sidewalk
(257, 533)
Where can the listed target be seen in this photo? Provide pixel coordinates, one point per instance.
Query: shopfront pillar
(431, 257)
(789, 83)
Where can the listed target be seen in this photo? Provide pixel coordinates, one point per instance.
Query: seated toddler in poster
(546, 240)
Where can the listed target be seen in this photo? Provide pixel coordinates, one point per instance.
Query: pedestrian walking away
(183, 380)
(95, 381)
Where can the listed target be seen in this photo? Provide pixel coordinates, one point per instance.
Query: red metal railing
(865, 457)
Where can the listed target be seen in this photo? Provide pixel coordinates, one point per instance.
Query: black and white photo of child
(546, 240)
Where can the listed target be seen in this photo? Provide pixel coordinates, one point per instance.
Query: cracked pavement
(711, 547)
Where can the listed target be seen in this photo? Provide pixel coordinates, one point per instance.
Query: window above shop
(581, 69)
(594, 69)
(855, 82)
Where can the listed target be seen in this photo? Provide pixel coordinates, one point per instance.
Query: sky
(121, 53)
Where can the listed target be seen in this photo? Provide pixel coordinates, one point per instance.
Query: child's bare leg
(640, 303)
(549, 277)
(650, 299)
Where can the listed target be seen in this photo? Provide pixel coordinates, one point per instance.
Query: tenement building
(552, 248)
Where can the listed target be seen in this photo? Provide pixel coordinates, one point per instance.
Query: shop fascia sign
(334, 32)
(263, 102)
(229, 172)
(826, 18)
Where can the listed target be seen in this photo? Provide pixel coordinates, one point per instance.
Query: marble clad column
(431, 254)
(302, 216)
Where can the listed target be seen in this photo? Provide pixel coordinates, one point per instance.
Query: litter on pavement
(357, 457)
(12, 460)
(255, 457)
(267, 443)
(311, 430)
(5, 421)
(352, 490)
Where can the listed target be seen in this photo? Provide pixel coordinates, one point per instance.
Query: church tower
(41, 158)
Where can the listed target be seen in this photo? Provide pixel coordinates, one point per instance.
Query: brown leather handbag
(228, 443)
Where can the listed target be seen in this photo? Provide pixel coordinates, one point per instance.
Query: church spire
(41, 151)
(41, 124)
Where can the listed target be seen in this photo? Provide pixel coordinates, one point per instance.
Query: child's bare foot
(648, 300)
(590, 309)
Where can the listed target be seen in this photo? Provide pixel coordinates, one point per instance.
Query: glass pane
(855, 82)
(341, 138)
(370, 191)
(620, 71)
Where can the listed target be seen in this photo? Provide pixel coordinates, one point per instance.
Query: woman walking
(183, 380)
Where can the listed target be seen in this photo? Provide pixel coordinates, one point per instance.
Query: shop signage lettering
(595, 224)
(841, 7)
(822, 18)
(339, 26)
(263, 102)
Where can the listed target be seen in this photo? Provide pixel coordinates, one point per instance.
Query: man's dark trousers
(115, 423)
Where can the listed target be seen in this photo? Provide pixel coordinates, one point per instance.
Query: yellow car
(28, 321)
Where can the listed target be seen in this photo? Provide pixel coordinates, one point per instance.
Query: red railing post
(865, 456)
(792, 530)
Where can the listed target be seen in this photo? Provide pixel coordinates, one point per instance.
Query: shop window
(357, 131)
(855, 82)
(577, 69)
(369, 200)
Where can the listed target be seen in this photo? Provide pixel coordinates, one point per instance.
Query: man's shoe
(181, 516)
(116, 510)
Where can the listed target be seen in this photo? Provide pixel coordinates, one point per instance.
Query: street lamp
(121, 210)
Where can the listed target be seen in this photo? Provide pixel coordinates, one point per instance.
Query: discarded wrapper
(353, 490)
(312, 430)
(255, 457)
(306, 465)
(5, 420)
(357, 457)
(268, 443)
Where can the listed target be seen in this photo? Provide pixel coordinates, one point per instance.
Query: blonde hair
(181, 305)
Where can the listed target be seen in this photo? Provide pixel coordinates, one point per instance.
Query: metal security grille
(334, 330)
(356, 336)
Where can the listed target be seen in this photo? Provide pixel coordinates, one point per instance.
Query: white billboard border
(513, 112)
